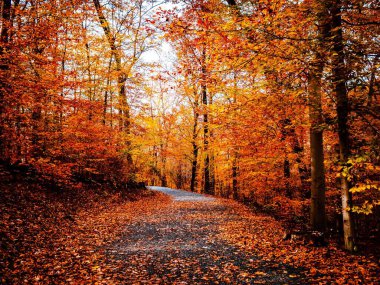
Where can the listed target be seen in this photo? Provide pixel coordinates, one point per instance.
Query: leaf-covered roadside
(57, 238)
(264, 236)
(97, 237)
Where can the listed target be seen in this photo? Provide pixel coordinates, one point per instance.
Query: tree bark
(194, 162)
(206, 133)
(303, 170)
(212, 165)
(235, 188)
(318, 186)
(235, 153)
(339, 81)
(164, 182)
(317, 207)
(206, 138)
(108, 84)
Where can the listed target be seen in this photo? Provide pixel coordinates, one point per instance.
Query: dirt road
(182, 244)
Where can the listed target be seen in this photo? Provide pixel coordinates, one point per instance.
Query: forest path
(183, 244)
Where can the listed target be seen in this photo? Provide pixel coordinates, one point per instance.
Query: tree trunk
(318, 187)
(234, 176)
(303, 172)
(164, 182)
(206, 186)
(339, 80)
(317, 207)
(235, 153)
(89, 83)
(194, 162)
(212, 166)
(206, 134)
(105, 104)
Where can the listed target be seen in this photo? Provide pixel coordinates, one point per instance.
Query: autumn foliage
(271, 103)
(278, 105)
